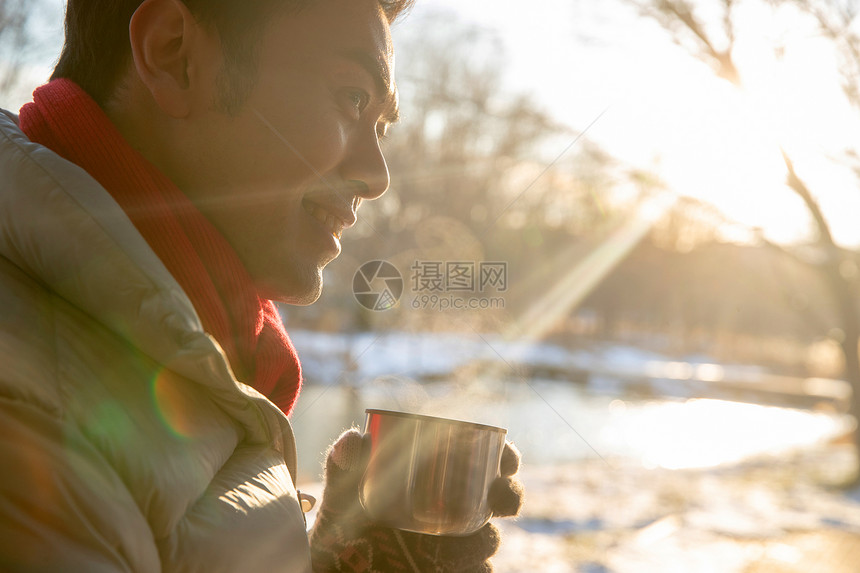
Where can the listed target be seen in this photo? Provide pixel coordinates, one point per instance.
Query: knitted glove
(343, 538)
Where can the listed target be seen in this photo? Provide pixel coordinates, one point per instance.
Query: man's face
(282, 178)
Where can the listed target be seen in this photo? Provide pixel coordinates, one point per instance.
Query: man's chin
(300, 292)
(306, 300)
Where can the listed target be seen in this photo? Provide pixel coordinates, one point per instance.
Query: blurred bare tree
(837, 21)
(708, 31)
(468, 144)
(16, 40)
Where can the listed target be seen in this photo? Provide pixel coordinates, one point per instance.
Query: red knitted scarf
(65, 119)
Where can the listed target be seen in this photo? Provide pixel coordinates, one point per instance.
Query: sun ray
(570, 289)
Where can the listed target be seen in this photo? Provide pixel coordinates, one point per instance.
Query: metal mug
(428, 474)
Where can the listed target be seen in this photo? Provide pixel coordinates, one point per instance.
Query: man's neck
(140, 121)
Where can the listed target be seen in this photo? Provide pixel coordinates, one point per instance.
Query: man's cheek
(327, 141)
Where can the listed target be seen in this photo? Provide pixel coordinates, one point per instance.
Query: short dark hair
(97, 46)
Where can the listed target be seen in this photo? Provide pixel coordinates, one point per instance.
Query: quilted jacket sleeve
(61, 506)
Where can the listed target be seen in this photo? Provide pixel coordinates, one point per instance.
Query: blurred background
(626, 231)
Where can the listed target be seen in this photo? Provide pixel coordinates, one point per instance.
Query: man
(189, 163)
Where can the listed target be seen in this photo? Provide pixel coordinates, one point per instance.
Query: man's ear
(164, 39)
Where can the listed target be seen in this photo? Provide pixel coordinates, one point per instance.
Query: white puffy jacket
(126, 443)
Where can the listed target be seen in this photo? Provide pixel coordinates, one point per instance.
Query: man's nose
(365, 165)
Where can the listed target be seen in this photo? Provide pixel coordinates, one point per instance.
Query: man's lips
(333, 220)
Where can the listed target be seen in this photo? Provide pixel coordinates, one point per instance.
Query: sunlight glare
(722, 144)
(706, 432)
(726, 156)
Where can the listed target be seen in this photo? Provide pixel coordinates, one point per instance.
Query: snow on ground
(331, 357)
(620, 517)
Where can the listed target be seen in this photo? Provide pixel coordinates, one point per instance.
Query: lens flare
(171, 404)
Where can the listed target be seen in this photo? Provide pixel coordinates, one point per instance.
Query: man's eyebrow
(381, 77)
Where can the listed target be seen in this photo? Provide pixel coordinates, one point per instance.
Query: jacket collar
(62, 228)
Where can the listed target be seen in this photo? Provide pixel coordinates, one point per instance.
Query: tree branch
(670, 13)
(798, 186)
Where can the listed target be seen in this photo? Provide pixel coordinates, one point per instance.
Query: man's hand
(343, 539)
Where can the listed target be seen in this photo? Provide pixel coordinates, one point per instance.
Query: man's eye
(356, 100)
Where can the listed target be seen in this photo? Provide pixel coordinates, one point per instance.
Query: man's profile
(188, 164)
